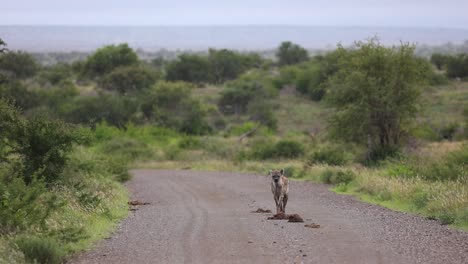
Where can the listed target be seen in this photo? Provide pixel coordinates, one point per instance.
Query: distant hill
(152, 38)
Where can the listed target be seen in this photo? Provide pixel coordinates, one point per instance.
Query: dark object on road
(136, 202)
(262, 211)
(295, 218)
(313, 225)
(280, 216)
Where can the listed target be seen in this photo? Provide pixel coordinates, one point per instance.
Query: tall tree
(375, 93)
(289, 53)
(108, 58)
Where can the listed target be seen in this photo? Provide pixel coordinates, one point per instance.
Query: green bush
(40, 249)
(289, 149)
(108, 58)
(189, 68)
(457, 66)
(19, 95)
(172, 105)
(55, 74)
(24, 206)
(90, 110)
(129, 79)
(18, 64)
(336, 177)
(40, 144)
(282, 149)
(448, 131)
(126, 147)
(330, 155)
(238, 94)
(189, 143)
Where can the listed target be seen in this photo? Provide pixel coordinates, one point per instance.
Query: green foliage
(331, 155)
(242, 129)
(56, 74)
(228, 65)
(282, 149)
(289, 53)
(38, 249)
(310, 78)
(128, 79)
(451, 167)
(189, 68)
(3, 45)
(172, 105)
(448, 131)
(19, 95)
(115, 110)
(439, 60)
(129, 148)
(262, 111)
(336, 177)
(375, 92)
(457, 66)
(465, 115)
(41, 145)
(44, 145)
(189, 143)
(108, 58)
(18, 64)
(238, 94)
(24, 206)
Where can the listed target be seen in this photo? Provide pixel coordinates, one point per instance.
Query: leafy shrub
(108, 58)
(19, 64)
(128, 79)
(289, 53)
(189, 68)
(448, 131)
(336, 177)
(238, 94)
(457, 66)
(330, 155)
(24, 206)
(42, 145)
(262, 111)
(19, 95)
(242, 129)
(55, 74)
(126, 147)
(189, 143)
(40, 249)
(282, 149)
(115, 110)
(289, 149)
(171, 105)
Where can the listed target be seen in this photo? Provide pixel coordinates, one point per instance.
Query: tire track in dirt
(205, 217)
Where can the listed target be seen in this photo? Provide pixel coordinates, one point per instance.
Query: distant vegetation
(377, 121)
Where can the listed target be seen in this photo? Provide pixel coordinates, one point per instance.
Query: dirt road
(205, 217)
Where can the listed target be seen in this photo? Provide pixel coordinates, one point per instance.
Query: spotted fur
(280, 189)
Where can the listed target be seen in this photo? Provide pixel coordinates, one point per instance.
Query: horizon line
(231, 25)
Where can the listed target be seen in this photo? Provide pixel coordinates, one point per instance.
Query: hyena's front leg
(284, 201)
(278, 205)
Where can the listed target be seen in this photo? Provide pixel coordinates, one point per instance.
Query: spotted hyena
(280, 189)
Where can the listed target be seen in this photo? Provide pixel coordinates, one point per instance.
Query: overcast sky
(407, 13)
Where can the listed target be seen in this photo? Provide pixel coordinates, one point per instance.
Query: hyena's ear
(282, 171)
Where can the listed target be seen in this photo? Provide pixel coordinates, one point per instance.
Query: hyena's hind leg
(283, 203)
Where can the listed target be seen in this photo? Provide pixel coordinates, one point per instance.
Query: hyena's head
(276, 175)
